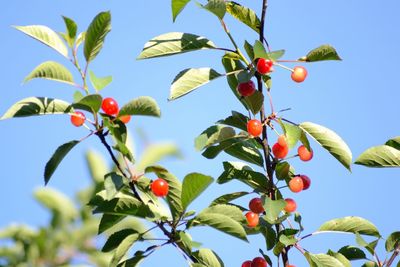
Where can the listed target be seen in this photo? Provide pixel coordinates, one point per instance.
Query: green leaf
(71, 31)
(173, 43)
(224, 199)
(95, 35)
(237, 120)
(207, 258)
(57, 202)
(339, 257)
(330, 141)
(143, 105)
(177, 6)
(379, 157)
(350, 224)
(134, 261)
(109, 220)
(80, 39)
(225, 218)
(193, 185)
(35, 106)
(113, 183)
(275, 55)
(90, 103)
(323, 52)
(244, 14)
(155, 153)
(123, 248)
(370, 264)
(46, 36)
(269, 235)
(394, 142)
(272, 209)
(56, 159)
(51, 70)
(99, 83)
(213, 135)
(352, 253)
(284, 171)
(287, 240)
(369, 246)
(392, 242)
(255, 102)
(259, 50)
(189, 79)
(217, 7)
(116, 238)
(293, 133)
(243, 173)
(322, 260)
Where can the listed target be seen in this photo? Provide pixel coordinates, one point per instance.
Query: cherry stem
(283, 66)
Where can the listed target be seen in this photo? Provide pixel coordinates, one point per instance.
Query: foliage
(126, 191)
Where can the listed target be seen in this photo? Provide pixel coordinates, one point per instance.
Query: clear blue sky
(357, 97)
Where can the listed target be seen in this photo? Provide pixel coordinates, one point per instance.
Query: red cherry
(279, 151)
(299, 74)
(291, 205)
(159, 187)
(246, 88)
(78, 118)
(252, 219)
(306, 181)
(246, 264)
(259, 262)
(254, 127)
(296, 184)
(264, 65)
(290, 265)
(125, 118)
(304, 153)
(255, 205)
(109, 106)
(282, 140)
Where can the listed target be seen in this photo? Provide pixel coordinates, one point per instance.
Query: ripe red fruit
(125, 118)
(282, 140)
(252, 219)
(264, 65)
(246, 88)
(299, 74)
(306, 181)
(290, 265)
(159, 187)
(279, 151)
(246, 264)
(109, 106)
(259, 262)
(304, 153)
(254, 127)
(290, 205)
(296, 184)
(78, 118)
(255, 205)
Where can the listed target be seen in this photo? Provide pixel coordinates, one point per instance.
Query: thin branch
(396, 252)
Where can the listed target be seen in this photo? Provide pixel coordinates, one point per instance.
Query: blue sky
(357, 98)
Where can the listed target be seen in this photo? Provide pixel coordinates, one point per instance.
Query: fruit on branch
(252, 219)
(125, 118)
(159, 187)
(282, 140)
(264, 66)
(78, 118)
(290, 265)
(304, 153)
(291, 205)
(299, 74)
(255, 205)
(306, 181)
(246, 88)
(246, 264)
(296, 184)
(254, 127)
(259, 262)
(109, 106)
(279, 151)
